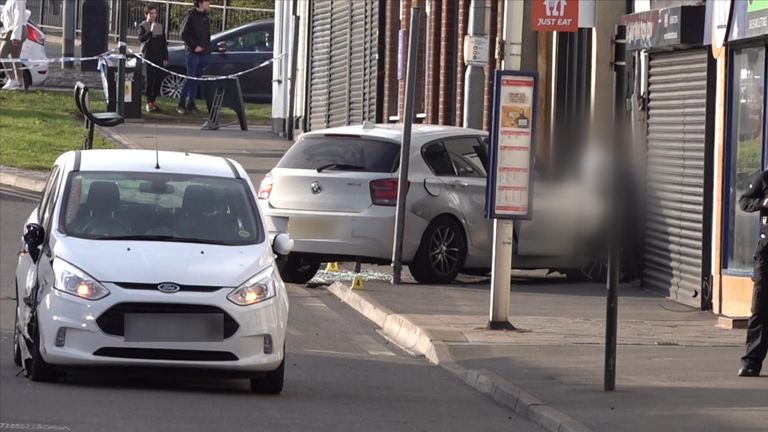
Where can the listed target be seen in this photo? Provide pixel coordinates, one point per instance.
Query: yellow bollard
(357, 283)
(332, 267)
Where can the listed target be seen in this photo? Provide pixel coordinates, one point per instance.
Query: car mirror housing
(282, 244)
(221, 46)
(34, 236)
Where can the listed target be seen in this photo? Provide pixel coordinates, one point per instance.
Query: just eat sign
(556, 15)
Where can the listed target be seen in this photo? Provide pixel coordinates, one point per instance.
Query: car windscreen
(160, 207)
(341, 152)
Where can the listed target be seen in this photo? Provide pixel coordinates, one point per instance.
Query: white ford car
(135, 258)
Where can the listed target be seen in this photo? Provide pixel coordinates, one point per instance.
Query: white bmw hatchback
(135, 258)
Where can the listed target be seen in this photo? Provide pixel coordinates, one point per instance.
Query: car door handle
(458, 183)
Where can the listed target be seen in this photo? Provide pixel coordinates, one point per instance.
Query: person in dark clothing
(154, 48)
(196, 34)
(756, 199)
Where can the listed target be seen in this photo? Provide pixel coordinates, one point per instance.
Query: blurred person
(196, 34)
(14, 20)
(154, 48)
(756, 199)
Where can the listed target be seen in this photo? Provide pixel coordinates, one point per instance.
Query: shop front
(744, 151)
(678, 77)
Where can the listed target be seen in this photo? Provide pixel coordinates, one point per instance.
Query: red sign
(556, 15)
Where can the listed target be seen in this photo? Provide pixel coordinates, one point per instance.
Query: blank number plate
(187, 327)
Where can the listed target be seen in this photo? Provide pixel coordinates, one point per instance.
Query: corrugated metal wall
(343, 70)
(676, 175)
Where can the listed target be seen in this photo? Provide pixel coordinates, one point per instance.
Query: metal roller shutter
(343, 73)
(675, 175)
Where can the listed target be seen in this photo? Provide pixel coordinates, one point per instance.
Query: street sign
(476, 50)
(556, 15)
(720, 19)
(509, 190)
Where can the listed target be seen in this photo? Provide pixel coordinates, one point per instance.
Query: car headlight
(256, 289)
(72, 280)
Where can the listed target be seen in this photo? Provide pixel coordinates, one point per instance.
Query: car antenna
(157, 150)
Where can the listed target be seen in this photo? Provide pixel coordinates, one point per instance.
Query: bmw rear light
(384, 192)
(35, 35)
(265, 190)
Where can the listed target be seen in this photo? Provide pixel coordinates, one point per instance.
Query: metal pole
(69, 13)
(503, 230)
(405, 149)
(474, 81)
(123, 14)
(292, 98)
(612, 303)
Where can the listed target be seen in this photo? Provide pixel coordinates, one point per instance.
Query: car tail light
(35, 35)
(265, 190)
(384, 192)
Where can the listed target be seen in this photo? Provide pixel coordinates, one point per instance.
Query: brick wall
(447, 52)
(390, 84)
(460, 68)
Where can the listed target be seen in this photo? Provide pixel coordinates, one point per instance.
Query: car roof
(129, 160)
(420, 133)
(257, 23)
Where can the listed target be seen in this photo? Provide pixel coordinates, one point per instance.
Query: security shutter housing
(675, 184)
(343, 71)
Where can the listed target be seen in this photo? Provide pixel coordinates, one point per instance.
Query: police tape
(111, 55)
(108, 54)
(213, 78)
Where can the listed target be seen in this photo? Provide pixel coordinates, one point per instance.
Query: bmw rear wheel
(442, 252)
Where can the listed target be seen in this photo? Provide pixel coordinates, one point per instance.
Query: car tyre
(27, 79)
(442, 252)
(16, 337)
(295, 269)
(271, 383)
(37, 368)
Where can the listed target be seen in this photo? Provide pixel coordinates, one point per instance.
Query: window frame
(727, 243)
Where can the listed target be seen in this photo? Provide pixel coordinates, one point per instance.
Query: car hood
(156, 262)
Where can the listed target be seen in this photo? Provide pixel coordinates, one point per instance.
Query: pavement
(676, 369)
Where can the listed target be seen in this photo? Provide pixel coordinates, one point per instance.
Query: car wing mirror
(221, 47)
(282, 244)
(34, 236)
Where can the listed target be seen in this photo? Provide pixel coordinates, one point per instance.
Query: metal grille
(675, 175)
(112, 321)
(343, 72)
(49, 13)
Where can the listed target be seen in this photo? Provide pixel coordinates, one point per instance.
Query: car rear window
(342, 153)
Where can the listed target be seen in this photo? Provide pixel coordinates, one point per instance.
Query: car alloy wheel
(442, 252)
(171, 86)
(444, 249)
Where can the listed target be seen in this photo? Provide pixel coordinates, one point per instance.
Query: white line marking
(32, 426)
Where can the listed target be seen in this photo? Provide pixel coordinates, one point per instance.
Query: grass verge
(38, 126)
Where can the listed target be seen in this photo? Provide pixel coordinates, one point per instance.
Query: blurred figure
(756, 199)
(15, 24)
(154, 48)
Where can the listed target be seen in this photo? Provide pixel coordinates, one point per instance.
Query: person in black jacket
(196, 34)
(756, 199)
(154, 48)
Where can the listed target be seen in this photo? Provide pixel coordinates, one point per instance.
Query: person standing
(154, 48)
(196, 34)
(756, 199)
(14, 19)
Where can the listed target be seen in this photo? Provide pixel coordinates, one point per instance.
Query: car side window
(50, 200)
(253, 41)
(438, 160)
(47, 193)
(466, 154)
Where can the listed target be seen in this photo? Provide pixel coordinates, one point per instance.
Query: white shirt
(14, 17)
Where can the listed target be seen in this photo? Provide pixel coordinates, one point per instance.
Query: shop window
(746, 153)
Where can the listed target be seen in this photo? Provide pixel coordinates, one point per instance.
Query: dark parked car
(232, 51)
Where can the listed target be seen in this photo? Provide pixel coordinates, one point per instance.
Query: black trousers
(757, 328)
(154, 78)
